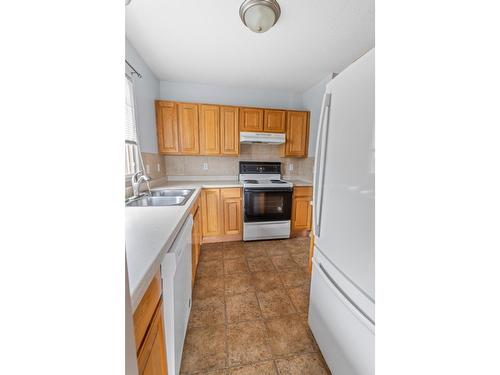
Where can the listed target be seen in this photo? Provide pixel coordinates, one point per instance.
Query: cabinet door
(297, 133)
(209, 130)
(199, 234)
(302, 213)
(144, 313)
(188, 128)
(167, 127)
(152, 358)
(251, 119)
(195, 238)
(211, 212)
(274, 121)
(231, 202)
(301, 210)
(229, 131)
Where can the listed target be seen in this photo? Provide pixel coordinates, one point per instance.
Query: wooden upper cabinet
(194, 129)
(209, 130)
(274, 121)
(297, 133)
(188, 128)
(211, 213)
(229, 131)
(166, 127)
(251, 119)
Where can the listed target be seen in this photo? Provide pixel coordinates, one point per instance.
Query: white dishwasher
(176, 282)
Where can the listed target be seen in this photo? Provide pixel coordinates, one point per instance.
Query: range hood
(269, 138)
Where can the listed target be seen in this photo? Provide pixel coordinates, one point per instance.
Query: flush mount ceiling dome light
(260, 15)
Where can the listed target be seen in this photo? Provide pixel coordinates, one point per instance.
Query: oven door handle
(268, 190)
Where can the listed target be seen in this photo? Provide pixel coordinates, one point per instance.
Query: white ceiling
(204, 41)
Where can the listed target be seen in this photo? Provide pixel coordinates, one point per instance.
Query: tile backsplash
(158, 167)
(154, 165)
(155, 168)
(228, 166)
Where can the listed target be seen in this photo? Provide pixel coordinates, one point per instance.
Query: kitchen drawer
(302, 191)
(231, 193)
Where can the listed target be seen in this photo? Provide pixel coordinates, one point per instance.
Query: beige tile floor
(249, 313)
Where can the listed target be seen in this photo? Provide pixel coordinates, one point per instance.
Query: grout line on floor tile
(263, 320)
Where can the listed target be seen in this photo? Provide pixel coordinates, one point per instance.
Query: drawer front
(146, 309)
(302, 191)
(231, 193)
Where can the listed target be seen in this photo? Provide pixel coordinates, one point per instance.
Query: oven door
(267, 204)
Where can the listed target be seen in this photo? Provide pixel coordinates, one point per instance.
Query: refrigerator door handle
(319, 167)
(342, 293)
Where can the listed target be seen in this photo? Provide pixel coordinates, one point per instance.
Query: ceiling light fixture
(260, 15)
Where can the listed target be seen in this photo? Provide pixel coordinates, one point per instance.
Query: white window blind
(132, 160)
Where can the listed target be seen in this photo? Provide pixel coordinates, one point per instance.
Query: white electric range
(267, 203)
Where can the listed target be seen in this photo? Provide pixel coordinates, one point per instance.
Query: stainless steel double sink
(161, 197)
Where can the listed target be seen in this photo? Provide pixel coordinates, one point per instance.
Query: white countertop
(204, 184)
(298, 182)
(150, 232)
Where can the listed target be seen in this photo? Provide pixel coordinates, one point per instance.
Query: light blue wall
(194, 92)
(311, 100)
(147, 90)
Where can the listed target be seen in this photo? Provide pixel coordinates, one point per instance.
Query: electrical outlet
(290, 167)
(147, 169)
(205, 166)
(158, 168)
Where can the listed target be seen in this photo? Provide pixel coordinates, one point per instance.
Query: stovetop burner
(262, 175)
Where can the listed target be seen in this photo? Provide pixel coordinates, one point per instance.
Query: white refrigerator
(342, 299)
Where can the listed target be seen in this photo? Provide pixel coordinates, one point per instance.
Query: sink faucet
(136, 180)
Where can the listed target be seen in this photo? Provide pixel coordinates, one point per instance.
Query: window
(132, 157)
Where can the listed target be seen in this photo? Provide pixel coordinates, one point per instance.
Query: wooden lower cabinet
(301, 211)
(222, 218)
(231, 207)
(149, 331)
(211, 212)
(196, 238)
(152, 357)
